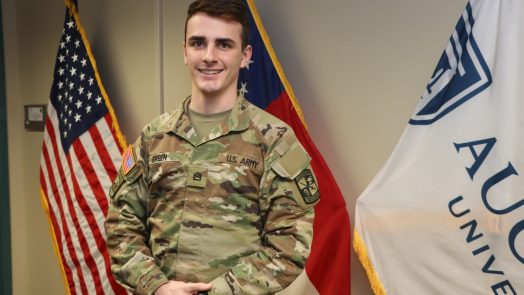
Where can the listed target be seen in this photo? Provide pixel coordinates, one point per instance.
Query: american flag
(264, 84)
(80, 157)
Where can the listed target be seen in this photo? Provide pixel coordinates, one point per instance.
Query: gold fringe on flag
(362, 254)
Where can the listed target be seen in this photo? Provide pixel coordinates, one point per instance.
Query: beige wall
(358, 68)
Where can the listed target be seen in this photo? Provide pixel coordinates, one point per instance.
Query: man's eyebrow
(218, 40)
(225, 40)
(196, 38)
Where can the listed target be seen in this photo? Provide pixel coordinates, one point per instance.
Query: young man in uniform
(207, 198)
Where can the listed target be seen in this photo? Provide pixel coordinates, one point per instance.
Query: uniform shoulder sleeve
(292, 164)
(132, 263)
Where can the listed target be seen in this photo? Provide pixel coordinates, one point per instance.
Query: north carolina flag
(445, 215)
(264, 84)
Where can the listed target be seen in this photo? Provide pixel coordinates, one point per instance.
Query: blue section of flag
(75, 93)
(260, 78)
(461, 74)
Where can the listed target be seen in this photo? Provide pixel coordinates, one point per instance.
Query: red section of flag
(265, 85)
(76, 199)
(328, 263)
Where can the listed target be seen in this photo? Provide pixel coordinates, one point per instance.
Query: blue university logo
(461, 74)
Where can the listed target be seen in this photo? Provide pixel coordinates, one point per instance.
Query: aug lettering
(480, 150)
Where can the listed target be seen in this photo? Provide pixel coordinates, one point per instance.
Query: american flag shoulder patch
(128, 160)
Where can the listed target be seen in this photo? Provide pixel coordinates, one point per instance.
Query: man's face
(213, 53)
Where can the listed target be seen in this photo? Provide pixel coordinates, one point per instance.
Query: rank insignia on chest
(307, 186)
(128, 160)
(197, 176)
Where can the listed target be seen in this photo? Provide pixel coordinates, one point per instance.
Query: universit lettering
(471, 224)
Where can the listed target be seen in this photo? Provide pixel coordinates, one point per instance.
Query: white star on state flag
(248, 63)
(243, 89)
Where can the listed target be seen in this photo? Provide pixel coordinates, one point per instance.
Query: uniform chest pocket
(165, 177)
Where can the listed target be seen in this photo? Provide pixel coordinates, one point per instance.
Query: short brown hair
(230, 10)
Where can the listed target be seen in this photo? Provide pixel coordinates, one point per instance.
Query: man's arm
(131, 260)
(288, 194)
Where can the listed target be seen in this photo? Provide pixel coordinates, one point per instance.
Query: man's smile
(210, 71)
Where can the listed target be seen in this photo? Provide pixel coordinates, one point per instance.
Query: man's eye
(197, 43)
(224, 45)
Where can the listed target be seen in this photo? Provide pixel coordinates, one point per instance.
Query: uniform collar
(238, 120)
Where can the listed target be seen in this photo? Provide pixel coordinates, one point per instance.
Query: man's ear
(246, 56)
(184, 50)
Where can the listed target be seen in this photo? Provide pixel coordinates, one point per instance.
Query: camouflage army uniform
(234, 209)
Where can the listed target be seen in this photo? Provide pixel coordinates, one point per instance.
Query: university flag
(264, 84)
(445, 214)
(80, 158)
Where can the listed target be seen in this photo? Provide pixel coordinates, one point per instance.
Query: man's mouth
(209, 72)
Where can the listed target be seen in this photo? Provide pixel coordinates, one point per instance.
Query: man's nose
(210, 55)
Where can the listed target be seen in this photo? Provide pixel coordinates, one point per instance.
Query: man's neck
(212, 104)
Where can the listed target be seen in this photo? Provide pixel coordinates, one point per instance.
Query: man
(208, 198)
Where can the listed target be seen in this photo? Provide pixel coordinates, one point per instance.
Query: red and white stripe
(75, 187)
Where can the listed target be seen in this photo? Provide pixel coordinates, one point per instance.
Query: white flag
(445, 215)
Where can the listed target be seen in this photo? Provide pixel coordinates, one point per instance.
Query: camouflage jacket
(234, 209)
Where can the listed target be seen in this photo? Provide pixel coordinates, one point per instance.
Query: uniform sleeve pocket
(292, 162)
(298, 181)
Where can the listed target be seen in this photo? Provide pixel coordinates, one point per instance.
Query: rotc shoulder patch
(307, 186)
(128, 160)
